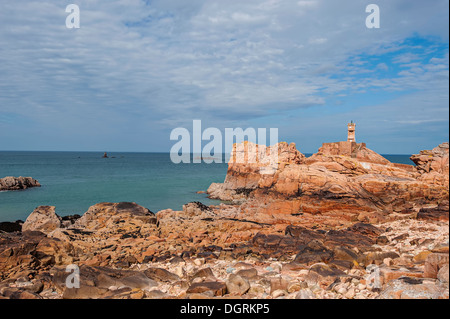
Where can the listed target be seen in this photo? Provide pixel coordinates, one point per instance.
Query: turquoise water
(74, 181)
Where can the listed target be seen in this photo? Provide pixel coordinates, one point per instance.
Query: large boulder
(43, 219)
(130, 218)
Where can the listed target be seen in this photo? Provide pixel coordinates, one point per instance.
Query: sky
(135, 70)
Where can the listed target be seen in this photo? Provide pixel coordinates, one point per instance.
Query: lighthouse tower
(351, 132)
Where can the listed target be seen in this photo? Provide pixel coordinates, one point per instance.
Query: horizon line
(154, 152)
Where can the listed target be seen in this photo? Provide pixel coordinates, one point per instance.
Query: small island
(11, 183)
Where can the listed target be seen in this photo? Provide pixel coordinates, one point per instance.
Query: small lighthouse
(351, 132)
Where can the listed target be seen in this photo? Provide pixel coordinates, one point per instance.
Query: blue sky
(137, 69)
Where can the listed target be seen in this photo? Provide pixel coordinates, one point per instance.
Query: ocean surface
(74, 181)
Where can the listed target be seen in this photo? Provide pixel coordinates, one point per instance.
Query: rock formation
(343, 178)
(343, 223)
(433, 166)
(17, 183)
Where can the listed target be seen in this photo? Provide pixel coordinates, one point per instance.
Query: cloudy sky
(137, 69)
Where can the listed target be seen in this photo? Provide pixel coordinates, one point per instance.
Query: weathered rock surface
(344, 181)
(10, 183)
(237, 285)
(43, 219)
(412, 288)
(435, 160)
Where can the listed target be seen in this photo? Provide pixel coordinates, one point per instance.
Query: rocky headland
(344, 223)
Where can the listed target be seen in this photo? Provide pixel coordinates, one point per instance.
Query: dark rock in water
(9, 227)
(17, 183)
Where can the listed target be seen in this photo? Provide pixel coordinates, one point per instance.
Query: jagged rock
(436, 160)
(43, 219)
(337, 179)
(29, 250)
(10, 183)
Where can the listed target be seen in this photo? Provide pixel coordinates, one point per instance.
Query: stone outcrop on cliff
(345, 178)
(17, 183)
(433, 165)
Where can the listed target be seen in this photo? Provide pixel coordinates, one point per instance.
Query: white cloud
(160, 62)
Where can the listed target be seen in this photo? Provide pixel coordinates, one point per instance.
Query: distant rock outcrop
(17, 183)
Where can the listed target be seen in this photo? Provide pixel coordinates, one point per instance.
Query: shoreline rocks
(324, 227)
(117, 259)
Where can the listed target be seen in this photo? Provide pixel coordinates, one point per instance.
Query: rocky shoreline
(331, 226)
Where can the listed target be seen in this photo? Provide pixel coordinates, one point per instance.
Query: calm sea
(74, 181)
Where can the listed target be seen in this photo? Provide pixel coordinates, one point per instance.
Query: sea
(74, 181)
